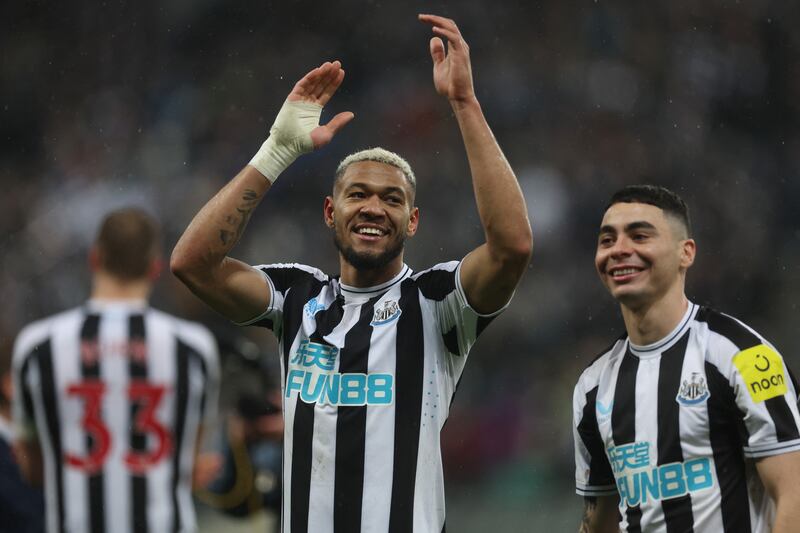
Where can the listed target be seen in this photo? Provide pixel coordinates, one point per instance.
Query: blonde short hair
(379, 155)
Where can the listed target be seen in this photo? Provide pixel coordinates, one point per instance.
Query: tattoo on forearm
(239, 220)
(589, 508)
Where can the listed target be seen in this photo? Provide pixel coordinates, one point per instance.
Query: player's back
(116, 392)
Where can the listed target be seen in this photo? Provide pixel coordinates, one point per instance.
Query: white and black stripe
(153, 379)
(358, 458)
(672, 428)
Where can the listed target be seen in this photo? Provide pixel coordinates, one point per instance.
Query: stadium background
(159, 103)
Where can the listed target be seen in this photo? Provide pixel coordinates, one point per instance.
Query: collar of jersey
(112, 305)
(358, 292)
(671, 338)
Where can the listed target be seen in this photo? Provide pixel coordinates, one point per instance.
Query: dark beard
(369, 261)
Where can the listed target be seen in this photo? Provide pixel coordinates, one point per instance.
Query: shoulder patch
(762, 370)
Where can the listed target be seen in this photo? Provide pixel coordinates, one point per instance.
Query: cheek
(599, 261)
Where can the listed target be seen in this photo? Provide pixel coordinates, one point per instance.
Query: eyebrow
(384, 190)
(633, 226)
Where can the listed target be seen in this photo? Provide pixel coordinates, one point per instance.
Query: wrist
(464, 104)
(289, 138)
(272, 159)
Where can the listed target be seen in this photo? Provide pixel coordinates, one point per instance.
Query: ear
(156, 267)
(327, 211)
(413, 222)
(688, 251)
(95, 261)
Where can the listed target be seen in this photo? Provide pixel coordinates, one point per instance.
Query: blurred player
(112, 395)
(370, 358)
(690, 421)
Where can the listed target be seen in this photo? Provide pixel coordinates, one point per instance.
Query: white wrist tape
(289, 138)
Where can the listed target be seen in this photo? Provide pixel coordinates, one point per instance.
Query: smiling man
(370, 359)
(689, 422)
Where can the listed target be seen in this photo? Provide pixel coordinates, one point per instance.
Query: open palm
(317, 87)
(452, 73)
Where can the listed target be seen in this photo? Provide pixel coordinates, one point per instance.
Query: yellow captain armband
(762, 370)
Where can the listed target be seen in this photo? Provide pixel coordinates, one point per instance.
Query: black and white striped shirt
(115, 392)
(673, 427)
(368, 377)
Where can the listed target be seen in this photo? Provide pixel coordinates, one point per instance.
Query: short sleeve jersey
(368, 377)
(115, 394)
(673, 427)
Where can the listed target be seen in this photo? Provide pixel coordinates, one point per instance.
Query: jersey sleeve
(593, 475)
(22, 404)
(281, 278)
(210, 354)
(459, 325)
(763, 388)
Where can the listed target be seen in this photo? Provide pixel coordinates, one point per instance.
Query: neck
(369, 278)
(650, 322)
(108, 287)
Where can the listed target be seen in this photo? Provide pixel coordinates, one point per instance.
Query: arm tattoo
(589, 508)
(239, 220)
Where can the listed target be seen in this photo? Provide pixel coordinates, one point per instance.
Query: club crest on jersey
(693, 391)
(313, 306)
(385, 313)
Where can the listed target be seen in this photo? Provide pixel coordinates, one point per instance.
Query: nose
(372, 206)
(621, 247)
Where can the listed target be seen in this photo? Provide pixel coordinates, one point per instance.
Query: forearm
(599, 515)
(501, 206)
(219, 225)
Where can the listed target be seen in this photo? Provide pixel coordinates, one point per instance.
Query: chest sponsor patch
(762, 370)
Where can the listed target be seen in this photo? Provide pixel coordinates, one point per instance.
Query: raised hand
(317, 87)
(452, 72)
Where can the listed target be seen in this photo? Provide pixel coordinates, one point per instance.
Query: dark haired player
(689, 422)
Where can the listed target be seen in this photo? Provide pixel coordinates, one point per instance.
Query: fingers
(334, 80)
(446, 28)
(319, 84)
(437, 50)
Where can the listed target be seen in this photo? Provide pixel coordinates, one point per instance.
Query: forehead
(621, 214)
(374, 174)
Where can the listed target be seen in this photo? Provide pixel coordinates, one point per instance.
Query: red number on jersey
(149, 397)
(92, 392)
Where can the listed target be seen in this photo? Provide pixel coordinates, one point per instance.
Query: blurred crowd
(159, 103)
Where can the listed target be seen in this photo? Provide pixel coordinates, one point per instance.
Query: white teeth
(370, 231)
(624, 271)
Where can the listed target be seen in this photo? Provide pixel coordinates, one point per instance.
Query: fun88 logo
(311, 377)
(637, 481)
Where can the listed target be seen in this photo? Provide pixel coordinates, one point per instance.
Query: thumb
(322, 135)
(437, 50)
(339, 121)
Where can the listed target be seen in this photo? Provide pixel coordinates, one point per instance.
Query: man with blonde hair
(370, 359)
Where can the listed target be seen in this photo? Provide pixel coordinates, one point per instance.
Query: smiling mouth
(624, 273)
(370, 232)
